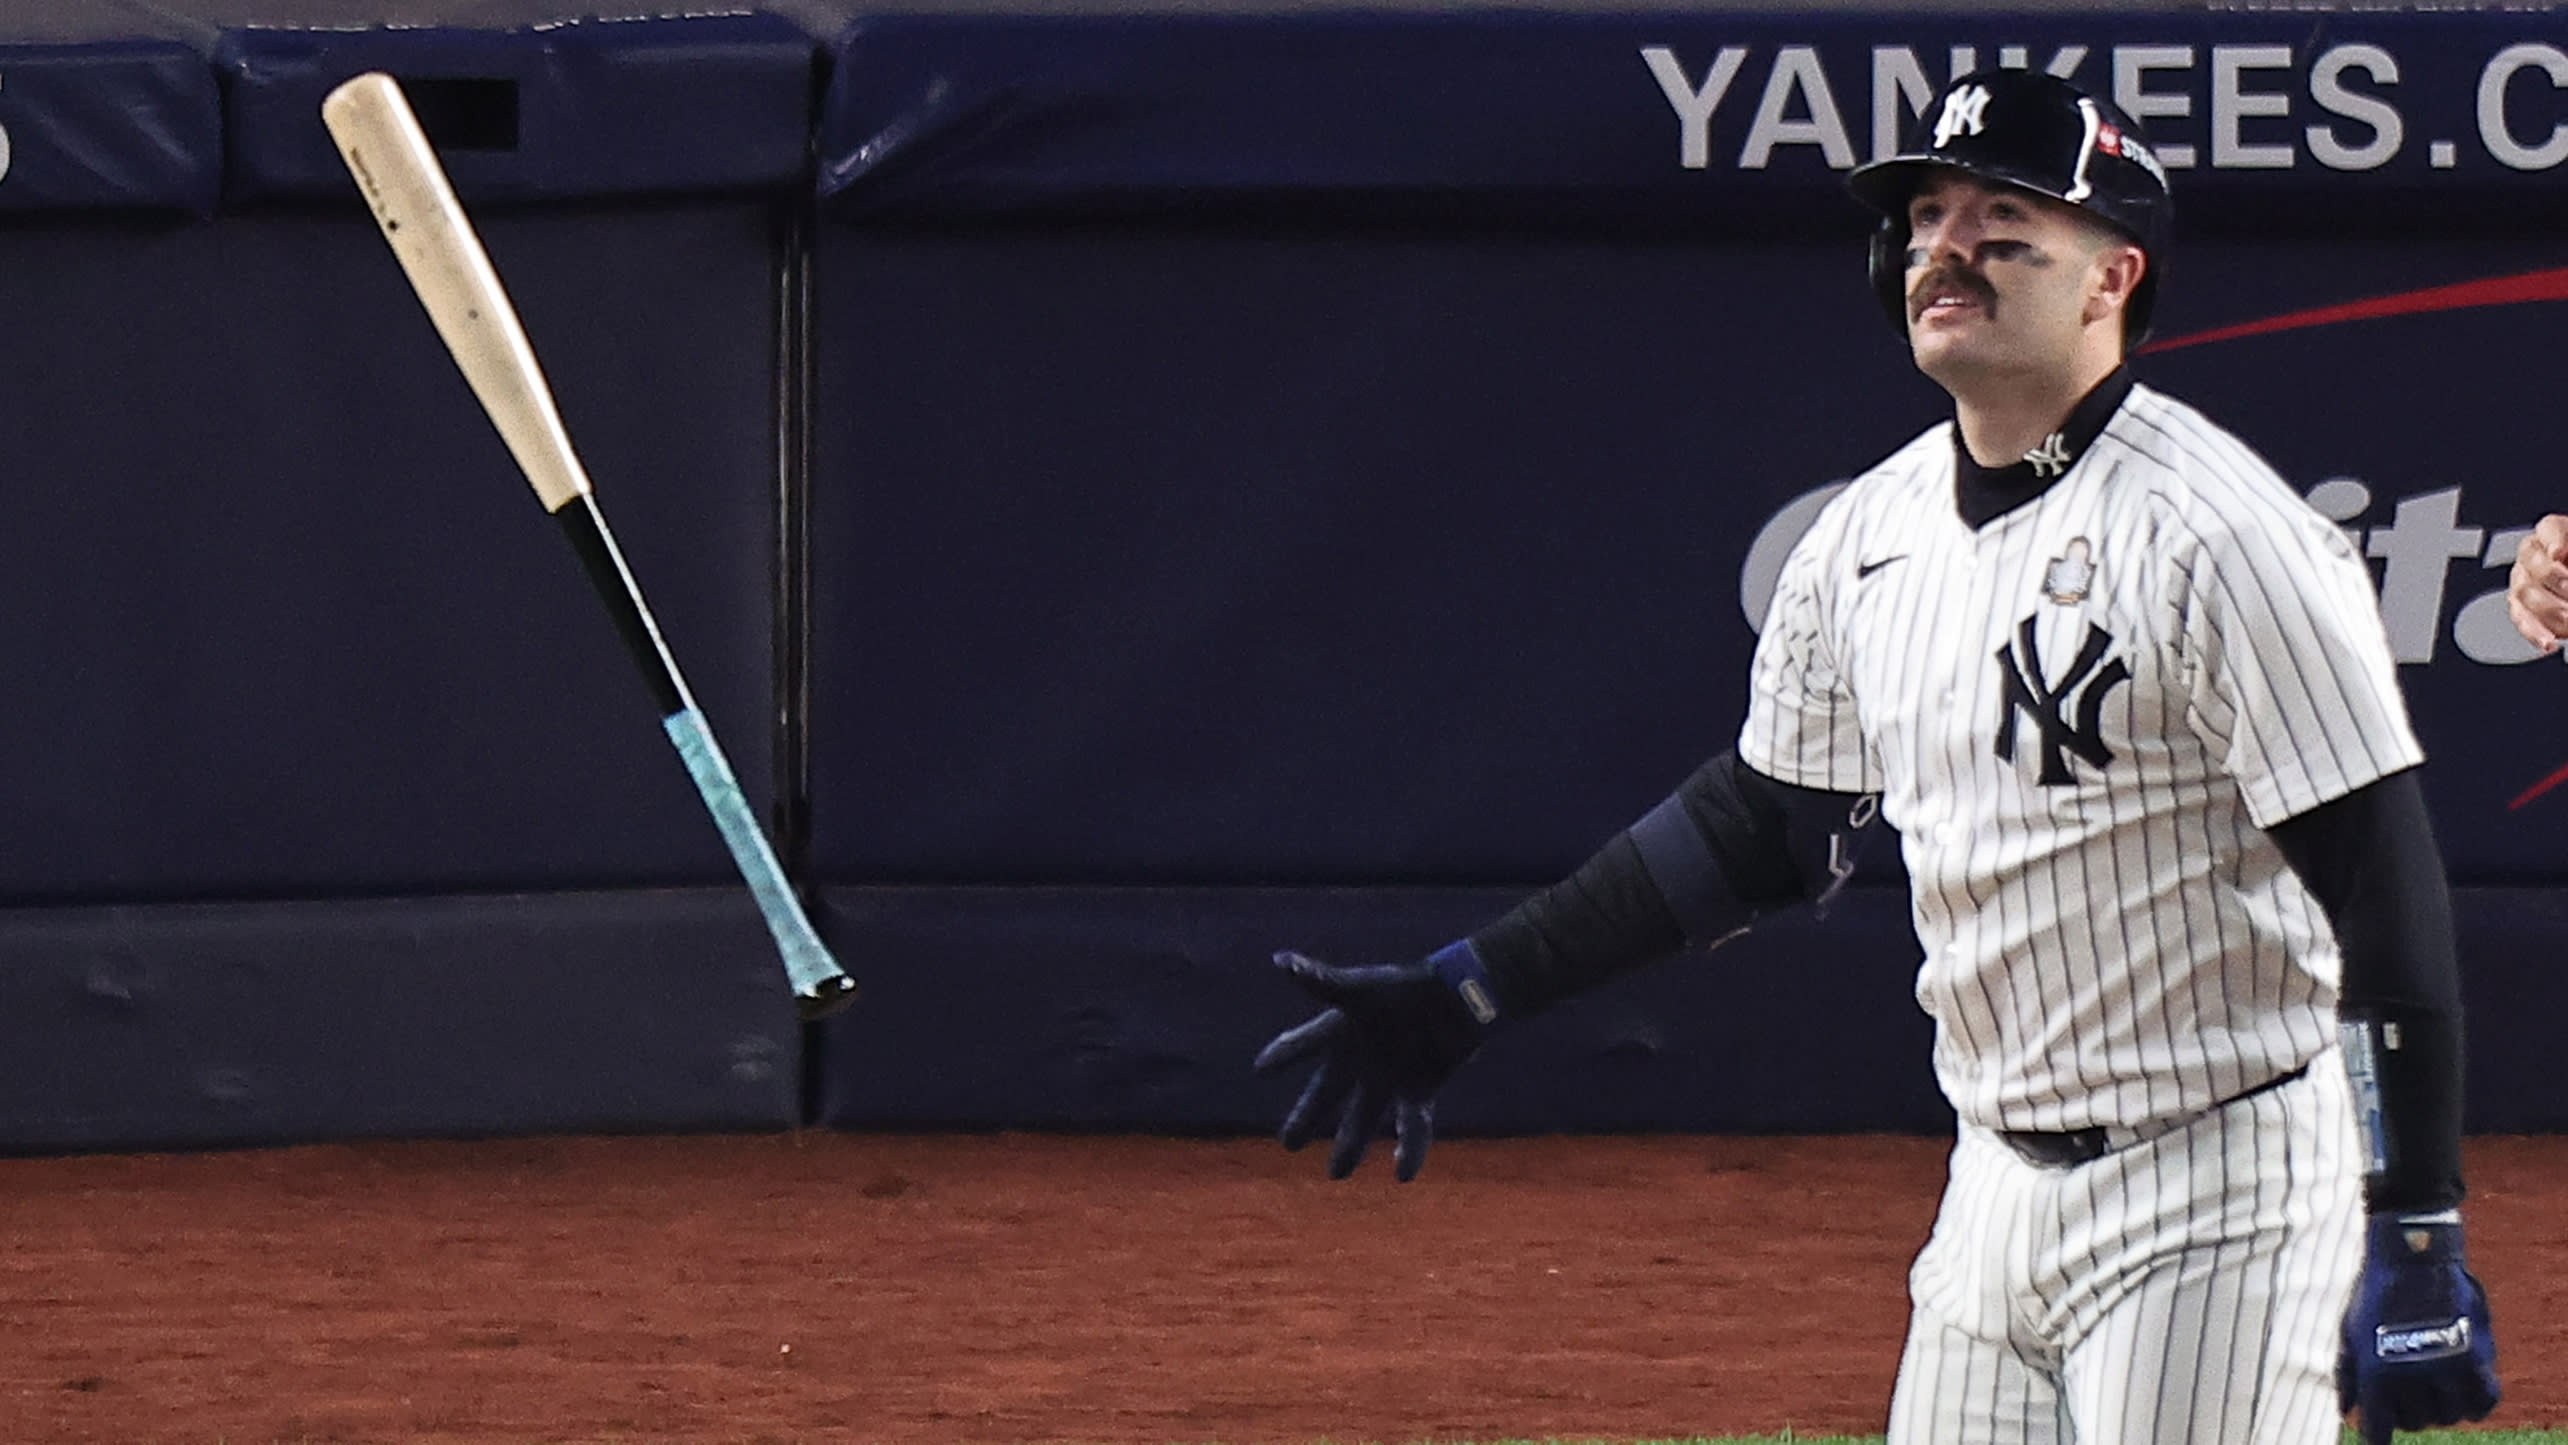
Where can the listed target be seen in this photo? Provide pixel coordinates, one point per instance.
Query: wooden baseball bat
(415, 207)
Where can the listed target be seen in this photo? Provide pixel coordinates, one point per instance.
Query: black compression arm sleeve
(2370, 859)
(1604, 919)
(1727, 847)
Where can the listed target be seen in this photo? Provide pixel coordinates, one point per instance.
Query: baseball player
(2129, 704)
(2537, 594)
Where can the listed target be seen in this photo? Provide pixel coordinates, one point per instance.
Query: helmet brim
(1888, 185)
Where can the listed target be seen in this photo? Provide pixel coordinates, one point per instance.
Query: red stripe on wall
(2495, 291)
(2539, 788)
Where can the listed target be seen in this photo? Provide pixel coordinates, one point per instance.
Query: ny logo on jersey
(2027, 691)
(1962, 111)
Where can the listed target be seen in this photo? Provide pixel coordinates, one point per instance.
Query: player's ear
(2114, 277)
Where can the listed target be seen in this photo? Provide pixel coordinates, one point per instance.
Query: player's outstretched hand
(2537, 594)
(1390, 1037)
(2418, 1351)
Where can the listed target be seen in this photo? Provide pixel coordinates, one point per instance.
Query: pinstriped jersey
(2080, 717)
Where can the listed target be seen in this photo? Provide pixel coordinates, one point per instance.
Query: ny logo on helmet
(1962, 111)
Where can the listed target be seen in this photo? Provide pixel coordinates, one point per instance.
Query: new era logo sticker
(2110, 140)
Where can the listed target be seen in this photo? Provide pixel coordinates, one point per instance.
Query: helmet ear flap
(1889, 270)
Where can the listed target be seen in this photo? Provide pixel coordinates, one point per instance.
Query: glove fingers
(1334, 984)
(1414, 1120)
(2420, 1408)
(1323, 981)
(2449, 1394)
(1300, 1042)
(1320, 1100)
(2465, 1395)
(1356, 1128)
(2484, 1390)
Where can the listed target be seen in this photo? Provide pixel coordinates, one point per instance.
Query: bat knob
(827, 997)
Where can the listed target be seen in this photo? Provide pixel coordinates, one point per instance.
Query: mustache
(1949, 277)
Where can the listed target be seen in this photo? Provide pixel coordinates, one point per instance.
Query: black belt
(2085, 1146)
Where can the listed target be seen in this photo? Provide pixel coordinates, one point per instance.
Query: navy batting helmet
(2035, 131)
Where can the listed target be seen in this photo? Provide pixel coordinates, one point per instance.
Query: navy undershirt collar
(1984, 494)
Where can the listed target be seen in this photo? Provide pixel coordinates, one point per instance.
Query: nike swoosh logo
(1866, 569)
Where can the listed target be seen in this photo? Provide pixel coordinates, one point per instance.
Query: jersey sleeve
(2290, 672)
(1802, 726)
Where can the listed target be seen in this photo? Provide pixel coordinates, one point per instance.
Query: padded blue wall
(199, 1025)
(1230, 557)
(107, 107)
(335, 806)
(300, 627)
(1273, 480)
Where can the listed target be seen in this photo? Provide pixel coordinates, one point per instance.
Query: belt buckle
(2072, 1147)
(2061, 1150)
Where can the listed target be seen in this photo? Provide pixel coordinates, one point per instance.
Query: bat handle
(821, 987)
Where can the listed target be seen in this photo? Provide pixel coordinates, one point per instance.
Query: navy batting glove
(2418, 1351)
(1391, 1035)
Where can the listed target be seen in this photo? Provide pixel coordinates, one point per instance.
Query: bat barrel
(414, 206)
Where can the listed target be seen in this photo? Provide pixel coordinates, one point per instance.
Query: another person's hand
(2537, 592)
(1391, 1035)
(2418, 1351)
